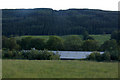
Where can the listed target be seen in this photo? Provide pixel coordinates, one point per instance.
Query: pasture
(59, 69)
(100, 38)
(43, 37)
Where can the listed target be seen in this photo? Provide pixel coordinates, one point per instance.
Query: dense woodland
(45, 21)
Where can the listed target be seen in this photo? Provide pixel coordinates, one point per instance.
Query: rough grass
(0, 68)
(43, 37)
(59, 69)
(101, 38)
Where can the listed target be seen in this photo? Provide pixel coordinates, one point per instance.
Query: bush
(116, 35)
(38, 43)
(17, 55)
(31, 55)
(73, 43)
(10, 43)
(114, 54)
(7, 54)
(109, 45)
(90, 38)
(106, 56)
(98, 56)
(90, 45)
(92, 56)
(95, 56)
(55, 43)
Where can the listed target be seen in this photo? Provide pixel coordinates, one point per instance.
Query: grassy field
(100, 38)
(0, 68)
(44, 37)
(59, 69)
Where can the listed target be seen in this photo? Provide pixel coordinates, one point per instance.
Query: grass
(100, 38)
(43, 37)
(0, 64)
(0, 68)
(65, 36)
(59, 69)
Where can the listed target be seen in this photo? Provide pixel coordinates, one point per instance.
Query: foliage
(116, 35)
(95, 56)
(63, 22)
(115, 54)
(25, 43)
(38, 43)
(73, 42)
(86, 36)
(91, 56)
(109, 45)
(68, 42)
(90, 38)
(55, 43)
(10, 43)
(90, 45)
(106, 56)
(7, 54)
(30, 54)
(28, 42)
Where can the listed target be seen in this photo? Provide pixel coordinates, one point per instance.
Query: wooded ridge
(46, 21)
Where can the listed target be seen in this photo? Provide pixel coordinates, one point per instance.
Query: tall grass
(59, 69)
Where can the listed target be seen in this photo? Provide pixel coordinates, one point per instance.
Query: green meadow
(43, 37)
(100, 38)
(58, 69)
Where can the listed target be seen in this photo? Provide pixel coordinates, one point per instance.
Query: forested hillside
(45, 21)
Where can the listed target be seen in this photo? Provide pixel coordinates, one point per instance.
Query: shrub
(31, 55)
(92, 56)
(55, 43)
(90, 38)
(55, 57)
(114, 54)
(90, 45)
(106, 56)
(48, 55)
(17, 55)
(95, 56)
(109, 45)
(73, 43)
(7, 54)
(98, 56)
(10, 43)
(38, 43)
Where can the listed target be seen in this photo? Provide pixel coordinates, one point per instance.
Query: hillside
(45, 21)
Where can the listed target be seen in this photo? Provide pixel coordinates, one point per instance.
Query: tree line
(111, 48)
(45, 21)
(69, 43)
(15, 49)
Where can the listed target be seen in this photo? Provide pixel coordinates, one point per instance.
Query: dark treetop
(45, 21)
